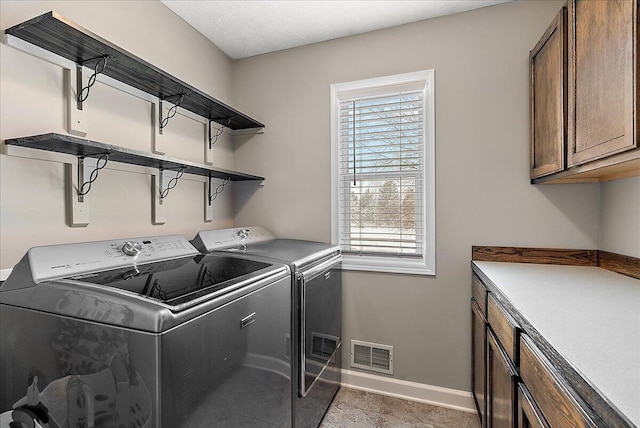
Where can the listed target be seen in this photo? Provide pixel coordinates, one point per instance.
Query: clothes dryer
(317, 309)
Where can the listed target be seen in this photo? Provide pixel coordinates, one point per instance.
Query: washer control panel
(211, 240)
(59, 261)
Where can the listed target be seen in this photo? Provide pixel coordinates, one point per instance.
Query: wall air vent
(372, 356)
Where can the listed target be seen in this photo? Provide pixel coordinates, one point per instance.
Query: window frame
(426, 265)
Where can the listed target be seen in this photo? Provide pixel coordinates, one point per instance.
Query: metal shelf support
(172, 111)
(83, 93)
(213, 136)
(171, 178)
(160, 192)
(210, 195)
(88, 170)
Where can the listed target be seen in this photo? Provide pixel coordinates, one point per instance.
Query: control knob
(243, 234)
(131, 248)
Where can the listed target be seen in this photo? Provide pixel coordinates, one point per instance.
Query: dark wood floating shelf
(86, 148)
(69, 40)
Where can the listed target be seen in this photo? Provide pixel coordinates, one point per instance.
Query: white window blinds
(380, 174)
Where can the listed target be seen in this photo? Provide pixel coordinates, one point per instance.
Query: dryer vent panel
(372, 356)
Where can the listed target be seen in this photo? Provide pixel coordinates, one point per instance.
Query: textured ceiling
(247, 28)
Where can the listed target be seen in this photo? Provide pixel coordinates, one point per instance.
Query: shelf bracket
(210, 195)
(159, 192)
(172, 111)
(88, 170)
(171, 178)
(78, 178)
(212, 138)
(83, 93)
(213, 195)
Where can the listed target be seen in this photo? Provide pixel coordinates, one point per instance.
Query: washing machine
(144, 332)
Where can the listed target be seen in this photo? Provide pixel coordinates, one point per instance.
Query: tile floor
(359, 409)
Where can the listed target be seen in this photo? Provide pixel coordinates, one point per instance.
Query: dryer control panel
(60, 261)
(211, 240)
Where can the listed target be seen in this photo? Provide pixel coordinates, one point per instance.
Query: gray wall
(620, 228)
(483, 195)
(32, 102)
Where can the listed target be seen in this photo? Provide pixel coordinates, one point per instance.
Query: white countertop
(591, 316)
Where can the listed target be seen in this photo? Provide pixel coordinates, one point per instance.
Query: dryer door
(321, 320)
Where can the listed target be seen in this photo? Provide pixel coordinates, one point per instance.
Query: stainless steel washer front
(91, 336)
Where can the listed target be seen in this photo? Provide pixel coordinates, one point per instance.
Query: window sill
(378, 264)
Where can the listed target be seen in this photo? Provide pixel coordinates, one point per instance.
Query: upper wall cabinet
(598, 141)
(601, 66)
(548, 73)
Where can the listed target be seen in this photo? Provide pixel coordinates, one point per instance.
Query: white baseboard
(413, 391)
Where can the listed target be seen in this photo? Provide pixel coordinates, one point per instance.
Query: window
(383, 173)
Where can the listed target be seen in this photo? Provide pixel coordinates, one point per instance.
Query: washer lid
(177, 283)
(152, 297)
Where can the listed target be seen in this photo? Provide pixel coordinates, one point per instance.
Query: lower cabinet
(548, 390)
(493, 372)
(479, 360)
(501, 383)
(513, 383)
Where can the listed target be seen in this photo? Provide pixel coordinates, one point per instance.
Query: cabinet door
(501, 381)
(602, 76)
(529, 415)
(547, 387)
(504, 327)
(479, 360)
(548, 80)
